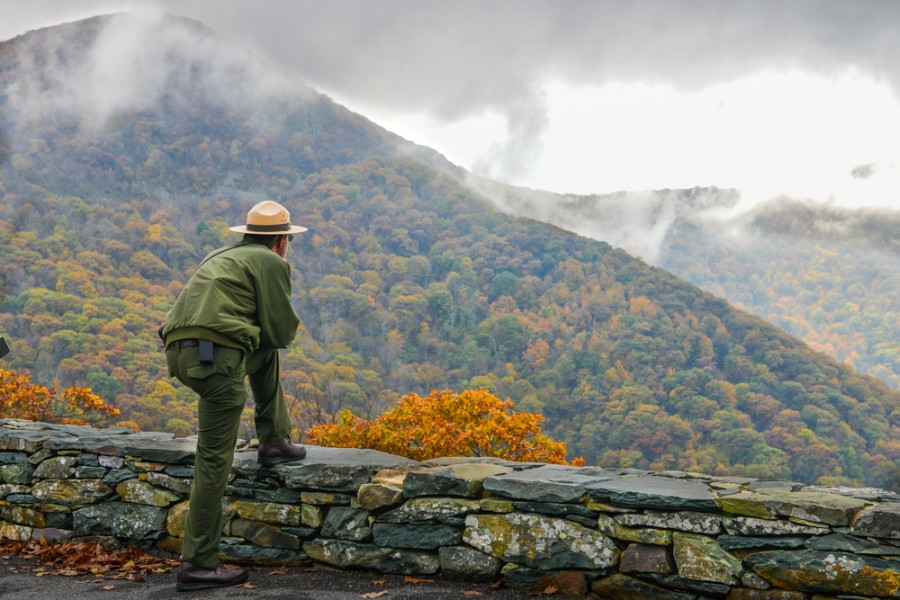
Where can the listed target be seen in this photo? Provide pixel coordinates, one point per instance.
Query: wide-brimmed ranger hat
(268, 218)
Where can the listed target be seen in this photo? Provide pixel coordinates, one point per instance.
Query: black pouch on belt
(205, 352)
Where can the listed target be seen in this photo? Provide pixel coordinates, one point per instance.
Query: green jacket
(239, 296)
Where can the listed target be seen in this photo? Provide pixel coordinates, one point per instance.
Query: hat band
(279, 227)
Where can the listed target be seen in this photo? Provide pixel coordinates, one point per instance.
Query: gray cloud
(457, 59)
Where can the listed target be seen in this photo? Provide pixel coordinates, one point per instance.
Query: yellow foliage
(472, 423)
(22, 399)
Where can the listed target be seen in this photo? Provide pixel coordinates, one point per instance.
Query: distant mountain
(826, 274)
(131, 142)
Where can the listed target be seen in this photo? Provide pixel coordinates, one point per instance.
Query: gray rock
(655, 493)
(111, 462)
(19, 473)
(737, 542)
(548, 483)
(419, 536)
(704, 588)
(336, 469)
(8, 458)
(644, 558)
(841, 542)
(344, 554)
(123, 520)
(464, 479)
(622, 587)
(234, 551)
(89, 472)
(467, 564)
(345, 523)
(117, 476)
(879, 521)
(266, 536)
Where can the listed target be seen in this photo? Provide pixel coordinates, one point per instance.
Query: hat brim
(293, 229)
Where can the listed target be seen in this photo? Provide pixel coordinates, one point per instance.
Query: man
(229, 322)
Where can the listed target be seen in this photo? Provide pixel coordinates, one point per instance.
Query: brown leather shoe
(189, 577)
(281, 451)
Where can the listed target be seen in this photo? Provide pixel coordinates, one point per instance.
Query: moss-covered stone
(445, 510)
(467, 564)
(142, 492)
(18, 473)
(311, 516)
(344, 554)
(21, 515)
(122, 520)
(828, 572)
(540, 542)
(612, 528)
(701, 558)
(268, 512)
(176, 517)
(264, 535)
(58, 467)
(15, 533)
(71, 492)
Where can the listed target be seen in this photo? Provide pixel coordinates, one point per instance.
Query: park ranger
(227, 324)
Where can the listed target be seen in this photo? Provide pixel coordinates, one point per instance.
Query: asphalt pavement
(19, 579)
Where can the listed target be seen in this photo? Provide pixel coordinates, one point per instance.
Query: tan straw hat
(268, 218)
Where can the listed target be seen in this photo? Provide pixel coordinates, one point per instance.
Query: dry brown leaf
(379, 581)
(496, 585)
(471, 593)
(409, 579)
(108, 587)
(547, 591)
(375, 594)
(279, 571)
(246, 586)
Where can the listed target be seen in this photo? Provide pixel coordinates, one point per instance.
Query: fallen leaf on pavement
(409, 579)
(379, 581)
(471, 593)
(279, 571)
(375, 594)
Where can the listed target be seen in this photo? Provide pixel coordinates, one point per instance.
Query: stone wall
(618, 533)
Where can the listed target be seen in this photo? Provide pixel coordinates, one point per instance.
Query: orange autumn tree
(22, 399)
(472, 423)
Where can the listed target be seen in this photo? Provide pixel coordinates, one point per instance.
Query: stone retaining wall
(621, 533)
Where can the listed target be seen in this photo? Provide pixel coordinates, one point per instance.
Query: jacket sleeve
(277, 320)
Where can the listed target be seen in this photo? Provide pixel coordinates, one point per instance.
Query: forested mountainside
(407, 281)
(827, 274)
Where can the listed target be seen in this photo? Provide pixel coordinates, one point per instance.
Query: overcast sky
(782, 96)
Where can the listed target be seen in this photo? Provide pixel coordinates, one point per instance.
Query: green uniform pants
(223, 396)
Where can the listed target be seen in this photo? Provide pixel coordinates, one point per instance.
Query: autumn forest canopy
(406, 282)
